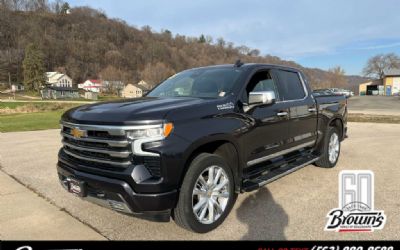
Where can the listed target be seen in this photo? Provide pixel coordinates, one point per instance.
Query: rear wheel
(207, 194)
(331, 149)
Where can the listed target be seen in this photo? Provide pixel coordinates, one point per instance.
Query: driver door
(271, 131)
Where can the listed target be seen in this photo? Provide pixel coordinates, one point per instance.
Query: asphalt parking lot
(381, 105)
(294, 207)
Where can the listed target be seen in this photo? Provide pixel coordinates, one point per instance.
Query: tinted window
(203, 82)
(261, 81)
(290, 86)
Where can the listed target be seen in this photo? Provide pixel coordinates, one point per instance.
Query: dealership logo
(356, 211)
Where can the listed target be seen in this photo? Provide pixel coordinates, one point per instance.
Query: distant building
(134, 90)
(58, 86)
(92, 85)
(17, 87)
(391, 82)
(56, 79)
(145, 84)
(389, 85)
(371, 87)
(51, 92)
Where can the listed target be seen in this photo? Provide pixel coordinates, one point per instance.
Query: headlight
(162, 131)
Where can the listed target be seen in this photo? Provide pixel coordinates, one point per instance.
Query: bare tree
(377, 65)
(337, 77)
(155, 73)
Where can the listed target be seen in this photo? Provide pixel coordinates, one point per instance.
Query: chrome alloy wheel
(210, 195)
(333, 148)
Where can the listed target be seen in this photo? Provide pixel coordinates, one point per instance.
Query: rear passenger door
(294, 95)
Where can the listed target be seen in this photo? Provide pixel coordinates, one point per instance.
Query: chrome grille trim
(112, 130)
(123, 164)
(120, 154)
(104, 145)
(111, 143)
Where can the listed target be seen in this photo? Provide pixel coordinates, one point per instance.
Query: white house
(91, 85)
(17, 87)
(58, 86)
(56, 79)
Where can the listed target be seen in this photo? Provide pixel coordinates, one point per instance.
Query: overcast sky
(313, 33)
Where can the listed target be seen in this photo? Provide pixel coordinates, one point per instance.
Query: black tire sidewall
(198, 165)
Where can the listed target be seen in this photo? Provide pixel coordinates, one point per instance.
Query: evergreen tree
(202, 39)
(34, 71)
(65, 8)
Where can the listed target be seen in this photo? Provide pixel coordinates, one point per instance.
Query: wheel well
(225, 149)
(337, 123)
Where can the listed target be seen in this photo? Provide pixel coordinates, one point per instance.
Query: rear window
(290, 86)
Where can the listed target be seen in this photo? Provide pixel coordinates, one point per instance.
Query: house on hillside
(144, 84)
(51, 92)
(58, 86)
(134, 90)
(92, 85)
(17, 87)
(56, 79)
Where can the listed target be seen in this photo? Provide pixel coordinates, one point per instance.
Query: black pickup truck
(197, 140)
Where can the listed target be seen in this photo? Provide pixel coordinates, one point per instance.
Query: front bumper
(118, 195)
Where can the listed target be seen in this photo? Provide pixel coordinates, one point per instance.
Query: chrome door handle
(312, 110)
(282, 113)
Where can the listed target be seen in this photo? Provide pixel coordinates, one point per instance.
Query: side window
(261, 81)
(290, 86)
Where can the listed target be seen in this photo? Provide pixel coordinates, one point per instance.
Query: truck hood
(129, 111)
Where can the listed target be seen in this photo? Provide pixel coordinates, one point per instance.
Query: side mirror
(261, 97)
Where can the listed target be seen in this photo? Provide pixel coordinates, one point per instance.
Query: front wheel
(331, 149)
(207, 194)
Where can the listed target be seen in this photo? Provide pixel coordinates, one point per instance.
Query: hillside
(87, 44)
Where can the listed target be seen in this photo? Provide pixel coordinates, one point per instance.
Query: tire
(325, 161)
(203, 222)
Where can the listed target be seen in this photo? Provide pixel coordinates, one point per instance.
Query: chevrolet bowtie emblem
(77, 133)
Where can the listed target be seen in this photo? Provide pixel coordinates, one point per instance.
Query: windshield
(203, 83)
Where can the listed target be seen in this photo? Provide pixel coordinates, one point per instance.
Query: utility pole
(9, 79)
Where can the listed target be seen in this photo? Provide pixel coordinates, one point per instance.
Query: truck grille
(104, 147)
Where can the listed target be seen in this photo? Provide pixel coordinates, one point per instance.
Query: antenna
(238, 63)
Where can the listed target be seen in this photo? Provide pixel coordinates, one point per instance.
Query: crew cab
(197, 140)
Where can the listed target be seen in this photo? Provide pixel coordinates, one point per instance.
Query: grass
(30, 121)
(11, 105)
(15, 116)
(29, 107)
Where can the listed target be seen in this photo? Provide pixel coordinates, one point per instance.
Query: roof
(250, 65)
(53, 77)
(137, 86)
(94, 80)
(373, 82)
(392, 72)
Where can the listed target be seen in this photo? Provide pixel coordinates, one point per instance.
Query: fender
(219, 139)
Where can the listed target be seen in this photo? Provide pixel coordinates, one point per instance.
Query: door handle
(312, 109)
(284, 113)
